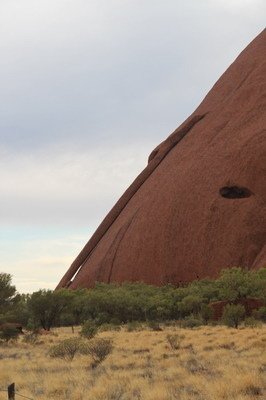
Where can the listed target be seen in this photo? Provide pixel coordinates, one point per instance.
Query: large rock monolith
(199, 205)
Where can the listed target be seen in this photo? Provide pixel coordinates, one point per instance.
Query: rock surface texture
(199, 205)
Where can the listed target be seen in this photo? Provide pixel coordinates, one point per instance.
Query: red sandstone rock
(12, 325)
(249, 304)
(199, 205)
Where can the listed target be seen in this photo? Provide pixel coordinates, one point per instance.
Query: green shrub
(261, 314)
(233, 314)
(67, 349)
(133, 326)
(174, 341)
(191, 322)
(101, 318)
(252, 322)
(32, 325)
(154, 326)
(9, 333)
(89, 329)
(98, 349)
(206, 313)
(109, 327)
(31, 338)
(115, 321)
(191, 304)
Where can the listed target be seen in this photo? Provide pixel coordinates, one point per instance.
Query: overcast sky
(87, 89)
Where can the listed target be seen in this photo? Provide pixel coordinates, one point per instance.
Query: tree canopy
(127, 302)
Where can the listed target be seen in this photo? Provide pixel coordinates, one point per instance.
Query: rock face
(200, 204)
(12, 325)
(250, 305)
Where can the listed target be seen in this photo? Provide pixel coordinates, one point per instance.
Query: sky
(87, 89)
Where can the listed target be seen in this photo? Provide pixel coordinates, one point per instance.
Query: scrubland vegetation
(210, 363)
(136, 341)
(135, 302)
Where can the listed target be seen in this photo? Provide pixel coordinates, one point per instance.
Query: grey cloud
(87, 85)
(65, 188)
(87, 72)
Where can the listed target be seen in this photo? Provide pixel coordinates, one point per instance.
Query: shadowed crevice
(235, 192)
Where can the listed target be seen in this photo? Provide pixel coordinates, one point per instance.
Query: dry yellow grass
(211, 363)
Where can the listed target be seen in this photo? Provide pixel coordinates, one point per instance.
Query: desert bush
(174, 341)
(98, 349)
(9, 333)
(109, 327)
(191, 322)
(260, 314)
(252, 390)
(194, 366)
(206, 313)
(190, 304)
(227, 345)
(133, 326)
(31, 338)
(32, 325)
(115, 321)
(252, 322)
(233, 314)
(154, 326)
(89, 329)
(67, 349)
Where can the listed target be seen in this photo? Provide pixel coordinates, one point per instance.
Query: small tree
(233, 314)
(191, 304)
(235, 284)
(7, 292)
(46, 306)
(89, 329)
(19, 311)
